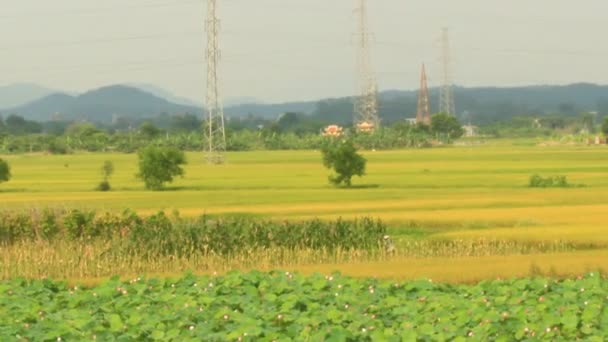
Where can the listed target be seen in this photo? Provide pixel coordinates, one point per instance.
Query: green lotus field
(281, 306)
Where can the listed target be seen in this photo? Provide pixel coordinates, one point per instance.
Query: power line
(246, 58)
(332, 43)
(565, 52)
(151, 64)
(143, 5)
(102, 40)
(99, 10)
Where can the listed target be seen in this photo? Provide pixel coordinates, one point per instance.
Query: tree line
(161, 155)
(548, 125)
(292, 131)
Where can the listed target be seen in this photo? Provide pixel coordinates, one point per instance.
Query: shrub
(49, 225)
(159, 165)
(104, 186)
(79, 224)
(16, 227)
(537, 181)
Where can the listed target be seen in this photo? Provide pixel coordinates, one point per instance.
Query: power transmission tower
(446, 101)
(366, 104)
(423, 115)
(215, 134)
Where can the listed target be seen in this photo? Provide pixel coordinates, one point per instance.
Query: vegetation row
(538, 181)
(160, 234)
(88, 137)
(284, 306)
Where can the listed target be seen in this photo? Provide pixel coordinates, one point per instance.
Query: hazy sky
(280, 50)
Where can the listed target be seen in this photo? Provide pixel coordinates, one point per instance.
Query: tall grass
(86, 244)
(73, 259)
(482, 247)
(76, 243)
(92, 259)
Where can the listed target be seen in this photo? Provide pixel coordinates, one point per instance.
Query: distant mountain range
(133, 100)
(480, 105)
(18, 94)
(484, 105)
(164, 94)
(100, 105)
(269, 111)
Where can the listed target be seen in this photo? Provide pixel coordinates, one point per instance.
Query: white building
(411, 121)
(470, 131)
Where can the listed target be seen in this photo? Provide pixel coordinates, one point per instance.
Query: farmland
(476, 197)
(461, 216)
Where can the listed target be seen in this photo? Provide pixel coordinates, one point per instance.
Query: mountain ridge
(480, 104)
(100, 105)
(17, 94)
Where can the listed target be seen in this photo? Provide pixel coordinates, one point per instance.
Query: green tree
(446, 127)
(342, 157)
(107, 169)
(159, 165)
(148, 130)
(554, 121)
(185, 123)
(17, 125)
(587, 121)
(81, 130)
(57, 145)
(605, 126)
(2, 125)
(5, 171)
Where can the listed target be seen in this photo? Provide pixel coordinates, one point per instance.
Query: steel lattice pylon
(446, 101)
(423, 115)
(215, 133)
(366, 116)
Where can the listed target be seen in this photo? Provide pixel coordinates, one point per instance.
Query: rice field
(464, 194)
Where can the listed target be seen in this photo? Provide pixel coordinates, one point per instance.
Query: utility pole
(215, 133)
(366, 117)
(446, 102)
(423, 115)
